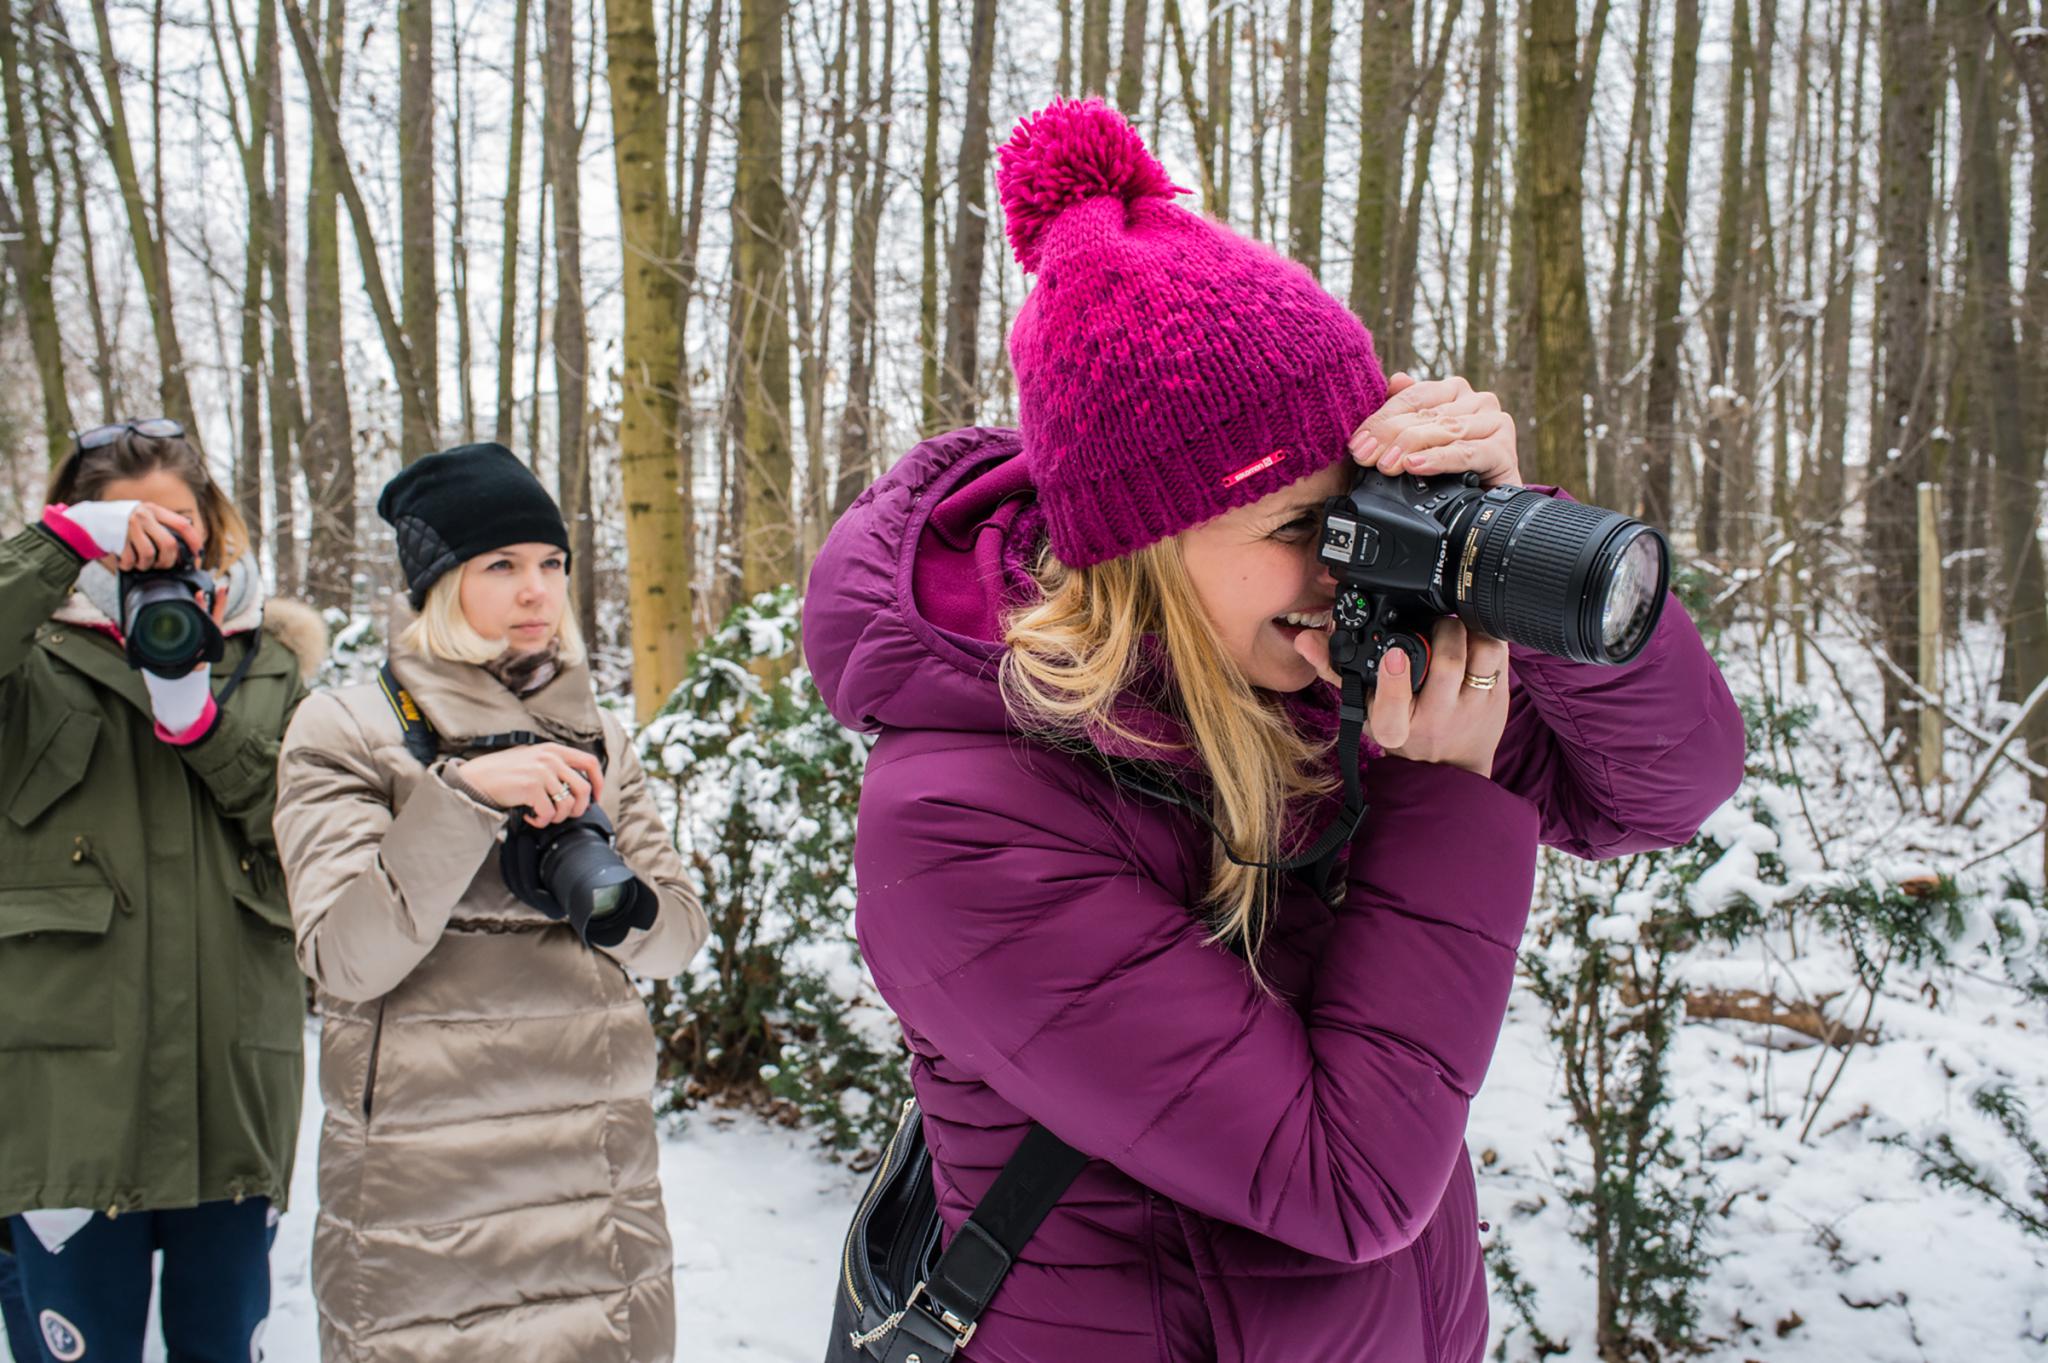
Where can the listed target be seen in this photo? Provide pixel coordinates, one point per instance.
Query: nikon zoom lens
(570, 871)
(167, 631)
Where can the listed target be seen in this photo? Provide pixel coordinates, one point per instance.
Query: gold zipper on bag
(874, 1187)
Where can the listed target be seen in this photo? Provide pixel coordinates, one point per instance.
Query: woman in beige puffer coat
(488, 1181)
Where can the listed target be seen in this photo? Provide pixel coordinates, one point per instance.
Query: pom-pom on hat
(1168, 370)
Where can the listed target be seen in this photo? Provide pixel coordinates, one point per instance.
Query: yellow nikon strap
(412, 725)
(425, 745)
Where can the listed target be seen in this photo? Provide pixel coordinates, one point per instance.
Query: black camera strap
(241, 669)
(424, 745)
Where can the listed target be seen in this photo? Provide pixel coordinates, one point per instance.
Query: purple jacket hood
(878, 657)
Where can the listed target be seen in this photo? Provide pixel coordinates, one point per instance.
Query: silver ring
(1485, 683)
(564, 793)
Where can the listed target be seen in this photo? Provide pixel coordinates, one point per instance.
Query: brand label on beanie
(1256, 466)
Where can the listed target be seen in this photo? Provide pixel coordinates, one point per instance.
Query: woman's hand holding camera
(1436, 426)
(551, 781)
(1453, 720)
(1431, 427)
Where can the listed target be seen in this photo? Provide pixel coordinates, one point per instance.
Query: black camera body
(1557, 576)
(166, 631)
(571, 872)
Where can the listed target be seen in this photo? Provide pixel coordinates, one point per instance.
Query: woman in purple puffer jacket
(1272, 1087)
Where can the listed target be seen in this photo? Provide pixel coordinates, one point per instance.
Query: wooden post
(1930, 633)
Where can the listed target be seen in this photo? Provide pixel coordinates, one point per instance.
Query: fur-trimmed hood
(299, 628)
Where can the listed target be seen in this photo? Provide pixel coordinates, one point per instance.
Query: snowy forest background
(1771, 274)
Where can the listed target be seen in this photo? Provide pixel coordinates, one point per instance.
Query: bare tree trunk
(960, 376)
(458, 236)
(1898, 457)
(1222, 50)
(1563, 326)
(1755, 285)
(659, 561)
(1305, 145)
(1730, 231)
(420, 301)
(1094, 46)
(1130, 66)
(857, 464)
(2020, 420)
(561, 143)
(30, 252)
(1482, 259)
(1385, 85)
(1845, 214)
(103, 363)
(814, 301)
(1398, 317)
(329, 443)
(1261, 223)
(1660, 441)
(693, 222)
(541, 238)
(766, 523)
(1198, 120)
(287, 409)
(1609, 401)
(411, 388)
(1063, 74)
(1290, 93)
(152, 258)
(252, 148)
(508, 249)
(929, 419)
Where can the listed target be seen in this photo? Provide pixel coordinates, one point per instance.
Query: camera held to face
(1557, 576)
(569, 870)
(167, 631)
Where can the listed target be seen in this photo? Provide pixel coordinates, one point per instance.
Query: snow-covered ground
(756, 1213)
(1829, 1248)
(1876, 1266)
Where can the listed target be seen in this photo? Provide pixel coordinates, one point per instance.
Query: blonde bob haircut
(442, 631)
(1072, 657)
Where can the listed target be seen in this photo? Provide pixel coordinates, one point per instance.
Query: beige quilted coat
(488, 1185)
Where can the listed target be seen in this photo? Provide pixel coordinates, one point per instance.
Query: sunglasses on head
(155, 428)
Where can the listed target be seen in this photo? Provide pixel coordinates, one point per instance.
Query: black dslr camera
(569, 870)
(1560, 577)
(168, 632)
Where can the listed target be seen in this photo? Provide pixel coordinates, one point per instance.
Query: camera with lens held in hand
(1553, 575)
(167, 630)
(569, 870)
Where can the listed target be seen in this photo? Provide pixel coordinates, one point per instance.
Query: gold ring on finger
(1485, 683)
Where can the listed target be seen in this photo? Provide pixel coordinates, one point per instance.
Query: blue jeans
(90, 1302)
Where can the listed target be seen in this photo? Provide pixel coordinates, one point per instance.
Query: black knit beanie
(450, 507)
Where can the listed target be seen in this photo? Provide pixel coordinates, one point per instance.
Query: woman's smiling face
(1260, 583)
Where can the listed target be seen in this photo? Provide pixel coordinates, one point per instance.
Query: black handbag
(899, 1299)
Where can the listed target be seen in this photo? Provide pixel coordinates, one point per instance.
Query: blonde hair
(1074, 656)
(442, 631)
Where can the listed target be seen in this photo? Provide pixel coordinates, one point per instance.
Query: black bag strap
(944, 1311)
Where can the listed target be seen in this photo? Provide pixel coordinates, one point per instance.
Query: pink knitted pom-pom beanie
(1168, 369)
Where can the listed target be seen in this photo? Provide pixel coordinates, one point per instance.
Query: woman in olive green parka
(151, 1011)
